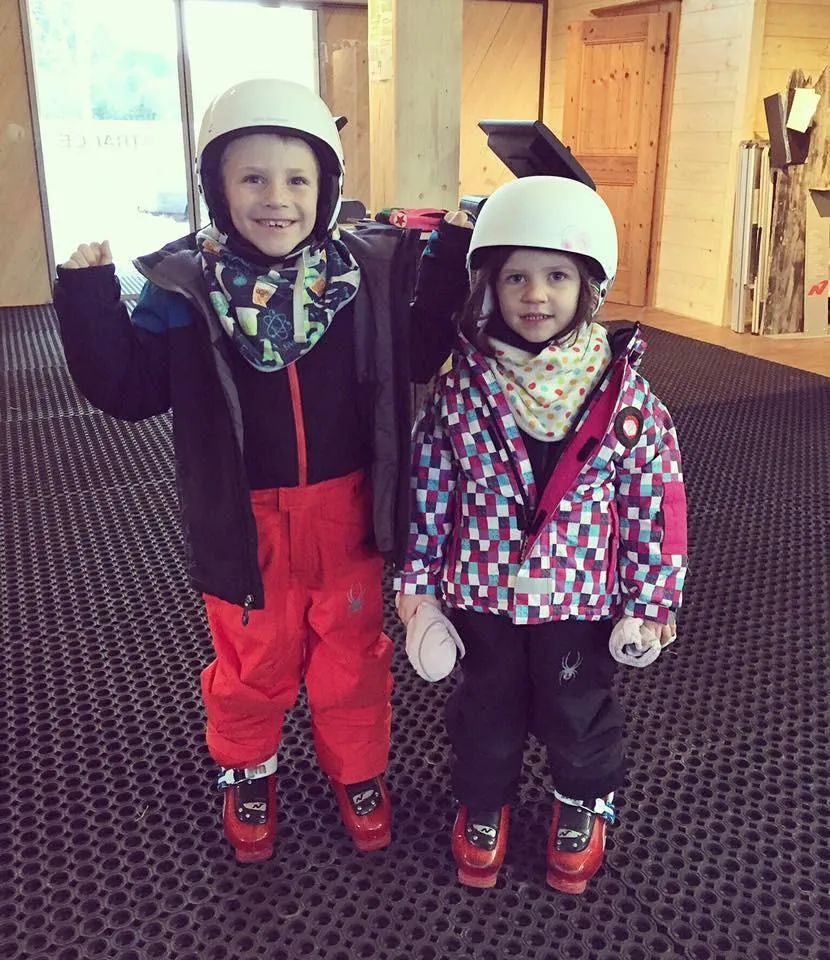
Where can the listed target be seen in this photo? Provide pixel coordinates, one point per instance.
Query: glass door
(111, 133)
(120, 92)
(228, 41)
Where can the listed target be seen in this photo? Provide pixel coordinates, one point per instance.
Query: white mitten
(432, 643)
(633, 643)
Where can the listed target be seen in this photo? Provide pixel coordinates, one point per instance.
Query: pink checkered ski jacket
(607, 536)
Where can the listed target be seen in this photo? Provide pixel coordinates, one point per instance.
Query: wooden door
(613, 97)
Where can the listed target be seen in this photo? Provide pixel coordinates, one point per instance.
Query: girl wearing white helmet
(548, 521)
(283, 352)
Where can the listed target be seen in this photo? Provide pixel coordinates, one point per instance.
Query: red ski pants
(322, 622)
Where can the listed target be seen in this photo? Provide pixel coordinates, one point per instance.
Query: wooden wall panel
(561, 13)
(415, 55)
(500, 80)
(672, 8)
(715, 91)
(796, 37)
(344, 85)
(712, 109)
(24, 271)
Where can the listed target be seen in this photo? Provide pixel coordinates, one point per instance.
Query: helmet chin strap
(498, 328)
(492, 322)
(252, 254)
(245, 249)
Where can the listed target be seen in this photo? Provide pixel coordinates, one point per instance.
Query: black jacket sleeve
(440, 291)
(120, 367)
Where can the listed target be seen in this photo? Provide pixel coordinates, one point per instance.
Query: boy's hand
(89, 255)
(458, 218)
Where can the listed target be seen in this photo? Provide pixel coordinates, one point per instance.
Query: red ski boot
(366, 811)
(576, 843)
(479, 843)
(250, 811)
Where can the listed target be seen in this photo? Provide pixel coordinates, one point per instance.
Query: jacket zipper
(299, 425)
(302, 459)
(248, 601)
(175, 287)
(246, 609)
(524, 506)
(580, 420)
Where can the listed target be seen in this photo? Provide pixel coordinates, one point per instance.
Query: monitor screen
(528, 148)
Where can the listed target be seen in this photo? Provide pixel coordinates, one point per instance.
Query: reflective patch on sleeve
(675, 535)
(628, 426)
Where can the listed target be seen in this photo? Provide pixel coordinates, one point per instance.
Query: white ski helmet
(549, 213)
(287, 107)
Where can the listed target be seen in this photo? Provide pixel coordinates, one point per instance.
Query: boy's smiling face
(271, 185)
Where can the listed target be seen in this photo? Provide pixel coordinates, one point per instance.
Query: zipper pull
(246, 609)
(523, 547)
(528, 533)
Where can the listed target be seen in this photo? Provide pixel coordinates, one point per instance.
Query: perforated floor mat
(112, 844)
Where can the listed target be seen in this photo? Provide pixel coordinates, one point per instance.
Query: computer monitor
(528, 148)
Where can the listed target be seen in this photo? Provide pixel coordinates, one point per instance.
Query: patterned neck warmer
(545, 391)
(276, 316)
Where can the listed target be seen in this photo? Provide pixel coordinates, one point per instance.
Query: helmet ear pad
(211, 185)
(213, 190)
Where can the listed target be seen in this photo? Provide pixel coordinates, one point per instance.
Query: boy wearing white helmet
(548, 520)
(285, 355)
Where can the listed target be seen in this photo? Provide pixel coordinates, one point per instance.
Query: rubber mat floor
(111, 839)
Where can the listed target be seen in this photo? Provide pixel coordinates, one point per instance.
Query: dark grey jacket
(174, 355)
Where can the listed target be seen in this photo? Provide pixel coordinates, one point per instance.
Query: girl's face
(271, 185)
(538, 292)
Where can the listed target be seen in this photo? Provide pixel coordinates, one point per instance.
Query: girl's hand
(637, 643)
(89, 255)
(407, 603)
(666, 633)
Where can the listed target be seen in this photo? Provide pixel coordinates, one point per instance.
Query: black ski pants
(553, 680)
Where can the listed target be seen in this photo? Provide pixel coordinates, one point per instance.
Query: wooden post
(344, 85)
(415, 56)
(784, 310)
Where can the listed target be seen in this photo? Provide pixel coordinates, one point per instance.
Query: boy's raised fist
(89, 255)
